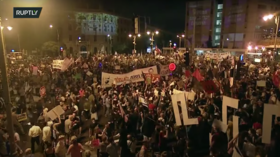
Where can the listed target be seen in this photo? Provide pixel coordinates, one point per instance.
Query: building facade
(234, 23)
(93, 31)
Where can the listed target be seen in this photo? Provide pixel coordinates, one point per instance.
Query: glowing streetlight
(10, 28)
(277, 18)
(180, 39)
(51, 26)
(249, 47)
(156, 32)
(148, 32)
(130, 35)
(268, 17)
(139, 35)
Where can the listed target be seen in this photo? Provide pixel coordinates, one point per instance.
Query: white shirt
(17, 138)
(67, 125)
(34, 131)
(108, 102)
(47, 134)
(60, 149)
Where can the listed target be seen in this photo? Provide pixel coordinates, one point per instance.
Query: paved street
(103, 120)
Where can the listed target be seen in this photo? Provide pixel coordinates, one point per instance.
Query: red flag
(197, 75)
(187, 73)
(209, 86)
(275, 79)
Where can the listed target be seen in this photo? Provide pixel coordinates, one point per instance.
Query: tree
(51, 48)
(120, 47)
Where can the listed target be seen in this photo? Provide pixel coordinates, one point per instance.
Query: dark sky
(166, 14)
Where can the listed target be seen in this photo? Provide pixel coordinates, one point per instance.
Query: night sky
(167, 14)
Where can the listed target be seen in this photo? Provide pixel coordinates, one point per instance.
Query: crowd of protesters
(138, 128)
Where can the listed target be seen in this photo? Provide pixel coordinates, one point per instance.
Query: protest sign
(55, 112)
(22, 117)
(108, 79)
(269, 111)
(261, 83)
(57, 64)
(181, 97)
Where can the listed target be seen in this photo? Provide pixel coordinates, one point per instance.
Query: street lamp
(110, 42)
(6, 92)
(223, 43)
(134, 40)
(249, 48)
(57, 33)
(152, 38)
(269, 17)
(180, 39)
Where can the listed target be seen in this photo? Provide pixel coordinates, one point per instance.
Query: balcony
(268, 42)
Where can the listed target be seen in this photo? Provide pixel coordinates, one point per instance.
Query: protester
(143, 119)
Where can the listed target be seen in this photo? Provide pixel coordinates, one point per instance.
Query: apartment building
(93, 30)
(229, 23)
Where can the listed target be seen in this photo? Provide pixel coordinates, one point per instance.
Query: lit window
(217, 44)
(219, 22)
(218, 30)
(219, 14)
(220, 6)
(217, 37)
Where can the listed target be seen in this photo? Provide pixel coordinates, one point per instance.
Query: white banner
(134, 76)
(57, 64)
(164, 70)
(218, 56)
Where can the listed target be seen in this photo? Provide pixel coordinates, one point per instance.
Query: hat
(27, 151)
(61, 137)
(73, 138)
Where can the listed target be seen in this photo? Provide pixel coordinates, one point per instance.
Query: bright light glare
(10, 28)
(148, 33)
(150, 39)
(51, 26)
(139, 35)
(157, 32)
(130, 35)
(249, 48)
(177, 36)
(256, 48)
(2, 27)
(268, 17)
(227, 39)
(183, 35)
(108, 35)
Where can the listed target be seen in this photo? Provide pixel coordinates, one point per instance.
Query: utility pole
(6, 92)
